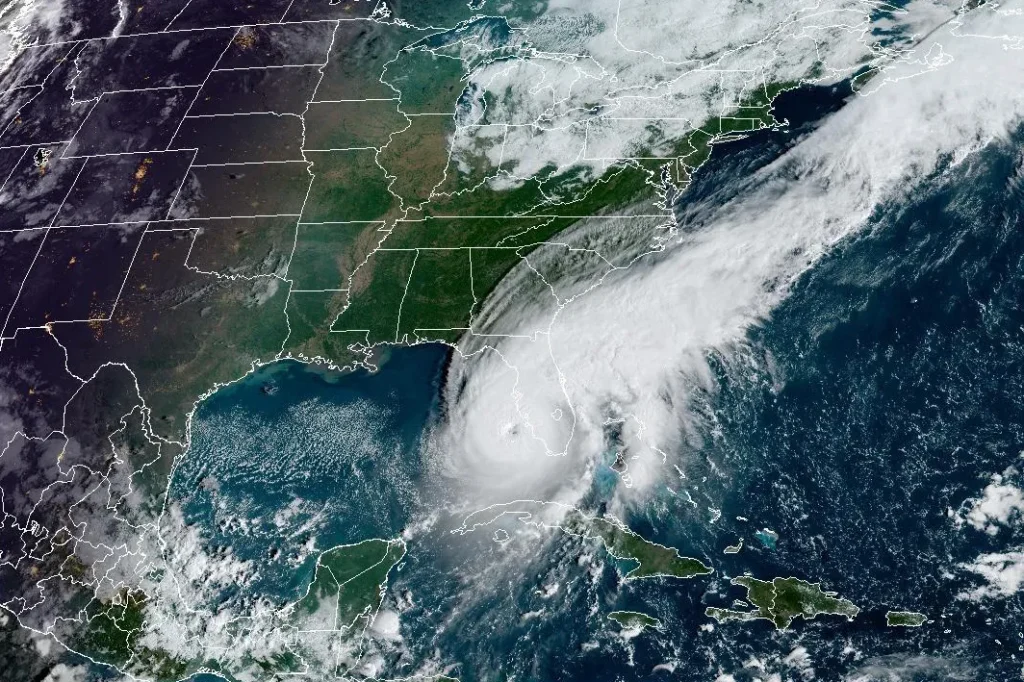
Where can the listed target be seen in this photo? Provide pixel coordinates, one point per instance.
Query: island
(633, 620)
(905, 619)
(652, 560)
(734, 549)
(782, 600)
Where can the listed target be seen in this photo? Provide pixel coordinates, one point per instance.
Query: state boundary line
(42, 243)
(220, 27)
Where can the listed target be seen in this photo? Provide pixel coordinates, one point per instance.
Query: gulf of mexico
(295, 459)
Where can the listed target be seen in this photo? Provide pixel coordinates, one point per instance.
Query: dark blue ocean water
(857, 422)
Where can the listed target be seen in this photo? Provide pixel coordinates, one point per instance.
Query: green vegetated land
(183, 331)
(753, 113)
(653, 560)
(469, 240)
(466, 245)
(905, 619)
(344, 594)
(782, 600)
(349, 583)
(633, 620)
(449, 237)
(112, 634)
(299, 295)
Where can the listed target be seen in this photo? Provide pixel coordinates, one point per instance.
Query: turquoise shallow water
(293, 460)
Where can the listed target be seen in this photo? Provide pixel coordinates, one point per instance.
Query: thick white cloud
(1004, 573)
(1000, 503)
(530, 416)
(604, 82)
(66, 673)
(26, 22)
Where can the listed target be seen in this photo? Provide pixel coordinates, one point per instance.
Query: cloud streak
(550, 385)
(598, 81)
